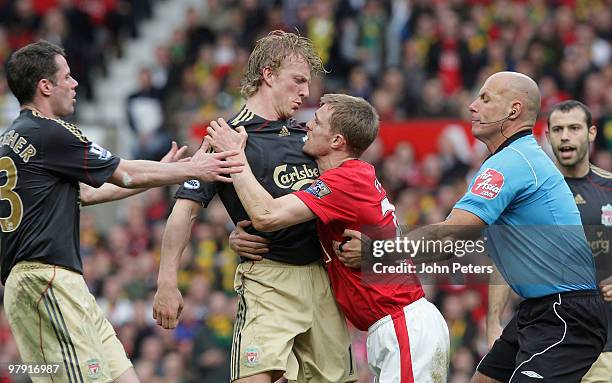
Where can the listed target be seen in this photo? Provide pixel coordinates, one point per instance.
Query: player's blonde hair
(270, 51)
(354, 118)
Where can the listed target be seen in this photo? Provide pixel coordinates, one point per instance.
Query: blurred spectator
(550, 94)
(433, 102)
(116, 307)
(9, 106)
(213, 341)
(145, 117)
(371, 23)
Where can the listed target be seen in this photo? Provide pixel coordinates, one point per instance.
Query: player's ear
(337, 141)
(45, 86)
(592, 133)
(267, 74)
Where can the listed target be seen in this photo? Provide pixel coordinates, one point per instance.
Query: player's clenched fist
(167, 306)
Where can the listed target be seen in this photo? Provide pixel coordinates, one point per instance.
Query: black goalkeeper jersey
(42, 161)
(593, 196)
(274, 152)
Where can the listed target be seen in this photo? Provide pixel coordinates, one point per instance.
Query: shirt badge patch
(318, 189)
(252, 355)
(94, 370)
(99, 151)
(192, 184)
(606, 215)
(488, 184)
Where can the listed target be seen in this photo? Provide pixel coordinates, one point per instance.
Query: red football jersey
(350, 197)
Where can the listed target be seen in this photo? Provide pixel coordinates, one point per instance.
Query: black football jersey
(42, 161)
(593, 196)
(274, 152)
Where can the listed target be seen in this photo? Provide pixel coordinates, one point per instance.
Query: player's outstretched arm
(266, 213)
(133, 174)
(460, 224)
(109, 192)
(168, 301)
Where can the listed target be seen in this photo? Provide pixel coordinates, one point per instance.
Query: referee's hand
(606, 289)
(167, 306)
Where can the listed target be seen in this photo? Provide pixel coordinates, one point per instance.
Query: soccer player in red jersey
(408, 340)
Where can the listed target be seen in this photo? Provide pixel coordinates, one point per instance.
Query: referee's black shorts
(555, 338)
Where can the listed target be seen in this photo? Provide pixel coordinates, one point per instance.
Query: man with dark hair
(48, 168)
(348, 195)
(570, 133)
(288, 322)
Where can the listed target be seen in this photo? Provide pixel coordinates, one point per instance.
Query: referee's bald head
(517, 87)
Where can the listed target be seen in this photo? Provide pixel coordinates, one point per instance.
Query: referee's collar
(510, 140)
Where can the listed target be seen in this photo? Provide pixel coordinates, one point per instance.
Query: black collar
(510, 140)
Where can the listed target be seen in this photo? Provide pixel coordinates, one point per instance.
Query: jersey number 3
(12, 221)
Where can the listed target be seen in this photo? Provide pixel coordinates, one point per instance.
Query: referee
(570, 131)
(535, 238)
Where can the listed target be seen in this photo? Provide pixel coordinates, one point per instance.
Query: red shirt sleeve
(329, 197)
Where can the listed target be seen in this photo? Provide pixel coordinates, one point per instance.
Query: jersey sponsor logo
(532, 374)
(579, 199)
(294, 177)
(488, 184)
(192, 184)
(318, 189)
(606, 215)
(600, 244)
(251, 356)
(99, 151)
(284, 132)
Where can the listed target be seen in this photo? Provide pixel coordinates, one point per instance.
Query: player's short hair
(30, 64)
(354, 118)
(271, 51)
(566, 106)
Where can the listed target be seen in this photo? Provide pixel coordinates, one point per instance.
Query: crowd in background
(411, 59)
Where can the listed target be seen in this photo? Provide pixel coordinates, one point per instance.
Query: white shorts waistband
(407, 309)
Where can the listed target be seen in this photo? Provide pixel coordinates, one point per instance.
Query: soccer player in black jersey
(570, 133)
(48, 168)
(288, 322)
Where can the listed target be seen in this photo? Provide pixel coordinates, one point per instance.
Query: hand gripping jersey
(350, 197)
(274, 151)
(42, 161)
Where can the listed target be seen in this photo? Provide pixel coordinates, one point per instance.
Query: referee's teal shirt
(535, 235)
